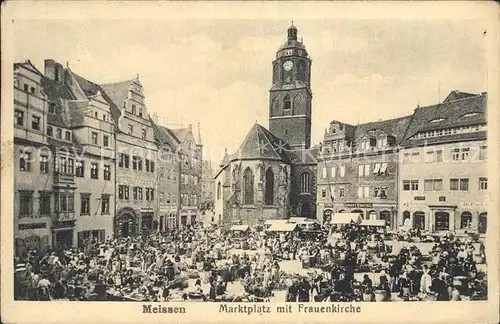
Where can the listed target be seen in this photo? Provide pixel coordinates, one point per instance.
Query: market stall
(346, 218)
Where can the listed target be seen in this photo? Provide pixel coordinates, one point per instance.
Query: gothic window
(218, 190)
(275, 107)
(287, 102)
(297, 103)
(304, 182)
(248, 179)
(302, 71)
(276, 72)
(269, 187)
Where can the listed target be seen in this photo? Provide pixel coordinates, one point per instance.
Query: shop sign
(358, 205)
(419, 198)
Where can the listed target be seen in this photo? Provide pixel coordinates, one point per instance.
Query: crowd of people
(347, 263)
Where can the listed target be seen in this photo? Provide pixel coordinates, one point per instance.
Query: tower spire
(199, 135)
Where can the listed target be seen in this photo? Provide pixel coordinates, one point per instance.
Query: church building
(272, 174)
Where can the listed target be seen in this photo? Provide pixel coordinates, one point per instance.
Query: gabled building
(76, 163)
(207, 186)
(33, 163)
(190, 153)
(443, 181)
(169, 177)
(136, 155)
(357, 169)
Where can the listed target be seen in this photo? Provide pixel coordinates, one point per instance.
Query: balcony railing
(63, 219)
(64, 178)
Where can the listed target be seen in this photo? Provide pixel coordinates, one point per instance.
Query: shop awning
(345, 218)
(284, 227)
(373, 222)
(240, 228)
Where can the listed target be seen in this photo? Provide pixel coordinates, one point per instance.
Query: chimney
(50, 69)
(59, 73)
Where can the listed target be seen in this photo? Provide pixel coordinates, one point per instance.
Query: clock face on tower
(288, 65)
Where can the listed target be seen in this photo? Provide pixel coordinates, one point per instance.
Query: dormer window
(471, 114)
(437, 120)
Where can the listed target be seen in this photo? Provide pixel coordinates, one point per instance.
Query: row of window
(363, 170)
(64, 165)
(64, 203)
(144, 132)
(363, 192)
(167, 198)
(378, 169)
(451, 131)
(124, 193)
(190, 200)
(124, 162)
(456, 154)
(456, 184)
(36, 125)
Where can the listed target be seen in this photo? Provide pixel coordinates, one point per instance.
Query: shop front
(370, 211)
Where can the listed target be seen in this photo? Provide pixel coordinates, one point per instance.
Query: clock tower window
(287, 102)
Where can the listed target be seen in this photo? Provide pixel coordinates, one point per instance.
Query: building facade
(169, 175)
(190, 154)
(443, 166)
(34, 169)
(207, 186)
(357, 169)
(74, 164)
(136, 153)
(272, 175)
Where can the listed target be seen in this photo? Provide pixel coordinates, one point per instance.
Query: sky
(218, 72)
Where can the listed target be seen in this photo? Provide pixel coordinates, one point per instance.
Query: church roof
(262, 144)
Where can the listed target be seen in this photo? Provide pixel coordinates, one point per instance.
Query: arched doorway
(465, 220)
(360, 212)
(419, 220)
(482, 223)
(406, 218)
(385, 215)
(125, 223)
(371, 215)
(442, 221)
(305, 209)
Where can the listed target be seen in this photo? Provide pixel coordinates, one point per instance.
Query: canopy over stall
(240, 228)
(373, 222)
(283, 227)
(271, 222)
(297, 219)
(346, 218)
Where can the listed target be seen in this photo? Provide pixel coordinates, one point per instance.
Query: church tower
(290, 95)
